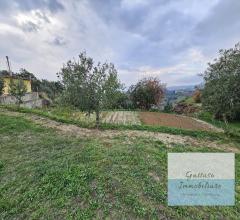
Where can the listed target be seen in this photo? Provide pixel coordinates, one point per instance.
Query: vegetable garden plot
(122, 117)
(176, 121)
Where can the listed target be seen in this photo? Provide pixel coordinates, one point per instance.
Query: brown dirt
(154, 176)
(169, 140)
(176, 121)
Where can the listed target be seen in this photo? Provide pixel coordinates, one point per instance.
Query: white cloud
(189, 66)
(133, 3)
(6, 29)
(171, 39)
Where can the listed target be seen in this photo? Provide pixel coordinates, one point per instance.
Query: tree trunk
(18, 102)
(225, 120)
(97, 118)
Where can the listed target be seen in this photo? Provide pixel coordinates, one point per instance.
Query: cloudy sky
(171, 39)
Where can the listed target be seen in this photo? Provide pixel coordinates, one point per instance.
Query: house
(30, 99)
(7, 80)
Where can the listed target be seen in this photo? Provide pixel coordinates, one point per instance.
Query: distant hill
(174, 94)
(176, 88)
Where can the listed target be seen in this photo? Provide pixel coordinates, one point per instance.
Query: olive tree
(89, 87)
(221, 93)
(17, 89)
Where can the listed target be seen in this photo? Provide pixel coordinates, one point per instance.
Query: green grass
(65, 116)
(189, 100)
(163, 129)
(235, 124)
(50, 176)
(232, 129)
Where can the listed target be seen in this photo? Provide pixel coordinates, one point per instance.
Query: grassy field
(44, 174)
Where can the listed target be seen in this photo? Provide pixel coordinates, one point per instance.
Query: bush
(168, 108)
(146, 93)
(184, 108)
(197, 96)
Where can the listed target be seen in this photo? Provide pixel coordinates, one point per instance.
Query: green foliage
(4, 73)
(1, 86)
(23, 73)
(123, 101)
(112, 88)
(168, 108)
(89, 88)
(221, 94)
(17, 89)
(232, 128)
(1, 165)
(53, 89)
(35, 83)
(146, 93)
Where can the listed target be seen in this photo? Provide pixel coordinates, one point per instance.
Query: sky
(169, 39)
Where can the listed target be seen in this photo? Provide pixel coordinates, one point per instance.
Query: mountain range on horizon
(182, 87)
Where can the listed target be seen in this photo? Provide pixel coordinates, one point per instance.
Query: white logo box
(205, 179)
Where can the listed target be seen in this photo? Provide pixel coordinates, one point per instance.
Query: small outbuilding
(7, 80)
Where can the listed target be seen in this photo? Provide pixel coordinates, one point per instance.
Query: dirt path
(169, 139)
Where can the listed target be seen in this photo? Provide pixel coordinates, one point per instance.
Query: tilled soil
(176, 121)
(169, 140)
(122, 117)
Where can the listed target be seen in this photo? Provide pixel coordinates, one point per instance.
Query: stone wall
(30, 100)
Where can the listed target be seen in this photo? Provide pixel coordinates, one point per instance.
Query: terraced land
(122, 117)
(75, 116)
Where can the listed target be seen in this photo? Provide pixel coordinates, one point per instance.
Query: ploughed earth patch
(121, 117)
(176, 121)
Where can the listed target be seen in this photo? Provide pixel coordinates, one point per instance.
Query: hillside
(58, 171)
